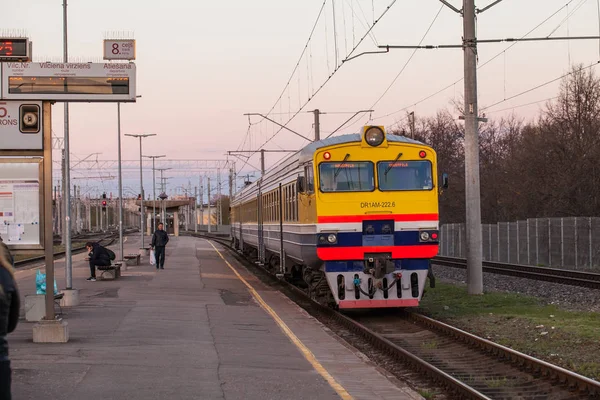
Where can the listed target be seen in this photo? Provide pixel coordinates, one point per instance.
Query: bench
(145, 251)
(57, 298)
(132, 259)
(110, 272)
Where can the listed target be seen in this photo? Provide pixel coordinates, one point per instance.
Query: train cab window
(310, 179)
(404, 175)
(354, 176)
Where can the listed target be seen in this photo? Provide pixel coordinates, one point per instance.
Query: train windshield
(354, 176)
(404, 175)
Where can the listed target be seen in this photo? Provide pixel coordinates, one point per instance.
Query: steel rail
(564, 276)
(569, 379)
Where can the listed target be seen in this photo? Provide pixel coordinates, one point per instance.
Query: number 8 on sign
(115, 48)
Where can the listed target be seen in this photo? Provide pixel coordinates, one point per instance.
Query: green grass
(449, 301)
(496, 382)
(431, 345)
(525, 323)
(426, 393)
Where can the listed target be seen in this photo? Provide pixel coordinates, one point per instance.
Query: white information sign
(14, 133)
(89, 82)
(119, 49)
(20, 203)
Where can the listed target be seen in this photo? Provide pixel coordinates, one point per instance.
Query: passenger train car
(353, 218)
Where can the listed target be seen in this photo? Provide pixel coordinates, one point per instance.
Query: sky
(201, 65)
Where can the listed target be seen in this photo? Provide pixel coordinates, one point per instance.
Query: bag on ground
(152, 257)
(40, 283)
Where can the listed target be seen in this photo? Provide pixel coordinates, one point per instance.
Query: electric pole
(317, 125)
(472, 187)
(411, 118)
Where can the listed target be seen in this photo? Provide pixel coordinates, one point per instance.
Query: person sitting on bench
(98, 257)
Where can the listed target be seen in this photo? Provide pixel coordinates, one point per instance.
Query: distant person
(98, 257)
(10, 304)
(160, 238)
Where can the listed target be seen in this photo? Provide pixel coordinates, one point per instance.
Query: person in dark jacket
(98, 257)
(159, 241)
(10, 304)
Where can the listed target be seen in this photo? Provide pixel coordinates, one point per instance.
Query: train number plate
(378, 204)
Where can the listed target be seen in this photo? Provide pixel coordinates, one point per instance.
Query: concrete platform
(191, 331)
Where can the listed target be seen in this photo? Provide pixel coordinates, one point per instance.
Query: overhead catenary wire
(409, 59)
(328, 78)
(593, 64)
(480, 66)
(523, 105)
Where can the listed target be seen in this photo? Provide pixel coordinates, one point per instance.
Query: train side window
(310, 179)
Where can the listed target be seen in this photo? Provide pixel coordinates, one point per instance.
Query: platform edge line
(310, 357)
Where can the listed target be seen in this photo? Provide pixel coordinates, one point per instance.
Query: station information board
(14, 49)
(119, 49)
(20, 202)
(21, 125)
(87, 82)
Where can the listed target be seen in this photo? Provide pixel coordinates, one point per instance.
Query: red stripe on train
(358, 253)
(359, 218)
(378, 303)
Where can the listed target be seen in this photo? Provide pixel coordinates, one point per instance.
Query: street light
(163, 190)
(144, 135)
(121, 250)
(154, 192)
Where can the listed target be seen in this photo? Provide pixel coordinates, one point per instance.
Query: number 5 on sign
(118, 49)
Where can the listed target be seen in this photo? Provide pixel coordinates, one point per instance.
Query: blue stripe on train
(358, 266)
(356, 239)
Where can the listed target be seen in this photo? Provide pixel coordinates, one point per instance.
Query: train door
(261, 237)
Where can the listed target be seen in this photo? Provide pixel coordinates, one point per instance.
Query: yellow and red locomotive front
(377, 219)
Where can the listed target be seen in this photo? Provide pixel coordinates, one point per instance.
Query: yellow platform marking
(310, 357)
(217, 276)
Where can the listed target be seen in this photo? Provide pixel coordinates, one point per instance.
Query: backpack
(111, 254)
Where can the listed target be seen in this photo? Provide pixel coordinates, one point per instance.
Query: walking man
(159, 241)
(9, 316)
(98, 257)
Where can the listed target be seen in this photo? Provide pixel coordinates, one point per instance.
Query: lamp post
(163, 191)
(121, 250)
(142, 213)
(154, 191)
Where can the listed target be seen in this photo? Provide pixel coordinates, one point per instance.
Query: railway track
(465, 365)
(106, 240)
(564, 276)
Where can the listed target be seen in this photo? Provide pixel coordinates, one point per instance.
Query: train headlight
(374, 136)
(424, 236)
(332, 238)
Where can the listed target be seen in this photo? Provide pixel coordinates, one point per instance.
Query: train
(353, 219)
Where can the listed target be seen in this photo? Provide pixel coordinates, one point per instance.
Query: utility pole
(67, 182)
(262, 156)
(201, 201)
(472, 188)
(196, 209)
(317, 125)
(121, 244)
(411, 118)
(209, 205)
(142, 213)
(154, 192)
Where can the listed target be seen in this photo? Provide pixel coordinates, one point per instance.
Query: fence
(551, 242)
